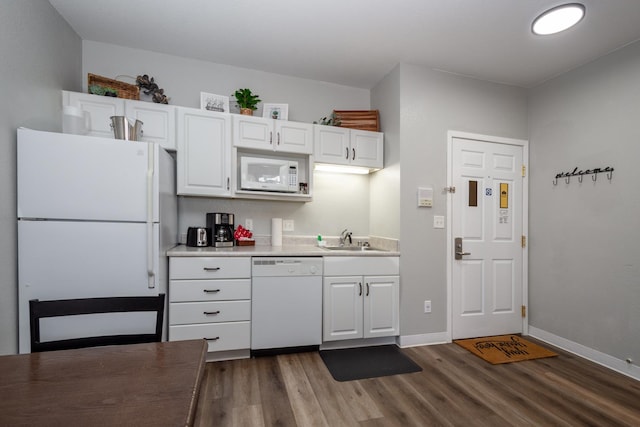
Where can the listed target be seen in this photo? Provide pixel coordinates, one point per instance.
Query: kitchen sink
(350, 248)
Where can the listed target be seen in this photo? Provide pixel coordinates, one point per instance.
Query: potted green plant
(246, 101)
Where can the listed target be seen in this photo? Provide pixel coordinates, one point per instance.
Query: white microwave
(267, 174)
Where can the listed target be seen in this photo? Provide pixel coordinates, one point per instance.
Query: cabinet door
(293, 137)
(342, 308)
(253, 132)
(331, 145)
(381, 306)
(367, 148)
(204, 153)
(99, 110)
(158, 122)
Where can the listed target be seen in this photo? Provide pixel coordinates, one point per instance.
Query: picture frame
(213, 102)
(276, 111)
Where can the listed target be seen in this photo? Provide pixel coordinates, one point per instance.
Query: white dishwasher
(286, 304)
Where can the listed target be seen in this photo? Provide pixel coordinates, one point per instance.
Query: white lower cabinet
(364, 305)
(210, 298)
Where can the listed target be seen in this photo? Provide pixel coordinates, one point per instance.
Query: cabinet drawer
(361, 266)
(209, 290)
(181, 313)
(219, 336)
(209, 268)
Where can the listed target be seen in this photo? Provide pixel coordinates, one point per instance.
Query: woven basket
(123, 90)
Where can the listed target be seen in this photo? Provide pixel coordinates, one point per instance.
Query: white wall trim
(358, 342)
(595, 356)
(405, 341)
(451, 134)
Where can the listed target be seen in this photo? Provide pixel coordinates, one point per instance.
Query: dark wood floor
(455, 388)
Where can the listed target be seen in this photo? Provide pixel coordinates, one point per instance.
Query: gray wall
(385, 184)
(584, 276)
(339, 200)
(432, 103)
(40, 56)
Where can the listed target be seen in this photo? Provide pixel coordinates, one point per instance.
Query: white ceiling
(357, 42)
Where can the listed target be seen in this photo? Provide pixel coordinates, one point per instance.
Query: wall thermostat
(425, 197)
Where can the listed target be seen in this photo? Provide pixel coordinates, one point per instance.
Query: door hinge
(524, 241)
(524, 171)
(450, 189)
(524, 311)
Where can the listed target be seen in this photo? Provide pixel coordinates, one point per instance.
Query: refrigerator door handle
(150, 259)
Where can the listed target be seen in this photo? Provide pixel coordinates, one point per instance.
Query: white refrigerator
(95, 218)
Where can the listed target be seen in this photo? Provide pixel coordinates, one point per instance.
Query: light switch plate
(438, 221)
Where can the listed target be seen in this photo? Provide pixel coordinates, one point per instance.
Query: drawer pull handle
(211, 268)
(211, 291)
(212, 313)
(212, 339)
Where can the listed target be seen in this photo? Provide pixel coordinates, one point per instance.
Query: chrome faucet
(346, 234)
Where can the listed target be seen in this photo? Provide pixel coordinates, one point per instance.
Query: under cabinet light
(321, 167)
(558, 19)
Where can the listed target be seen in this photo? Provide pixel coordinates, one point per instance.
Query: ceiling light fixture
(558, 19)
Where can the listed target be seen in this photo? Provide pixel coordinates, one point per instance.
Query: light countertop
(265, 250)
(293, 246)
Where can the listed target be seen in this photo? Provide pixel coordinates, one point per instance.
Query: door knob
(458, 245)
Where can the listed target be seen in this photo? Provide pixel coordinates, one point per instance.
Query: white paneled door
(487, 234)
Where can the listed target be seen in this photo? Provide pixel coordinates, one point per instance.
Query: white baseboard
(595, 356)
(360, 342)
(405, 341)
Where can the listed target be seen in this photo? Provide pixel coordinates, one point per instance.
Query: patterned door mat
(504, 349)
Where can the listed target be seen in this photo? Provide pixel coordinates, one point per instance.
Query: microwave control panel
(293, 176)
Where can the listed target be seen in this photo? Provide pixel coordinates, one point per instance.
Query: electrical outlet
(287, 225)
(427, 306)
(248, 224)
(438, 221)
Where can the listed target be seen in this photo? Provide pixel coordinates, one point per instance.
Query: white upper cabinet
(159, 120)
(367, 148)
(272, 135)
(98, 111)
(204, 153)
(341, 146)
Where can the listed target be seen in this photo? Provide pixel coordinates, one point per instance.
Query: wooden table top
(154, 384)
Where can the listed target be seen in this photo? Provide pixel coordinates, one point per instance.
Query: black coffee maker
(221, 224)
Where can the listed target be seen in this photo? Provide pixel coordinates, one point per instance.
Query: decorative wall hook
(580, 173)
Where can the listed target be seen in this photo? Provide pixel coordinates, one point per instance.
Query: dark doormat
(367, 362)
